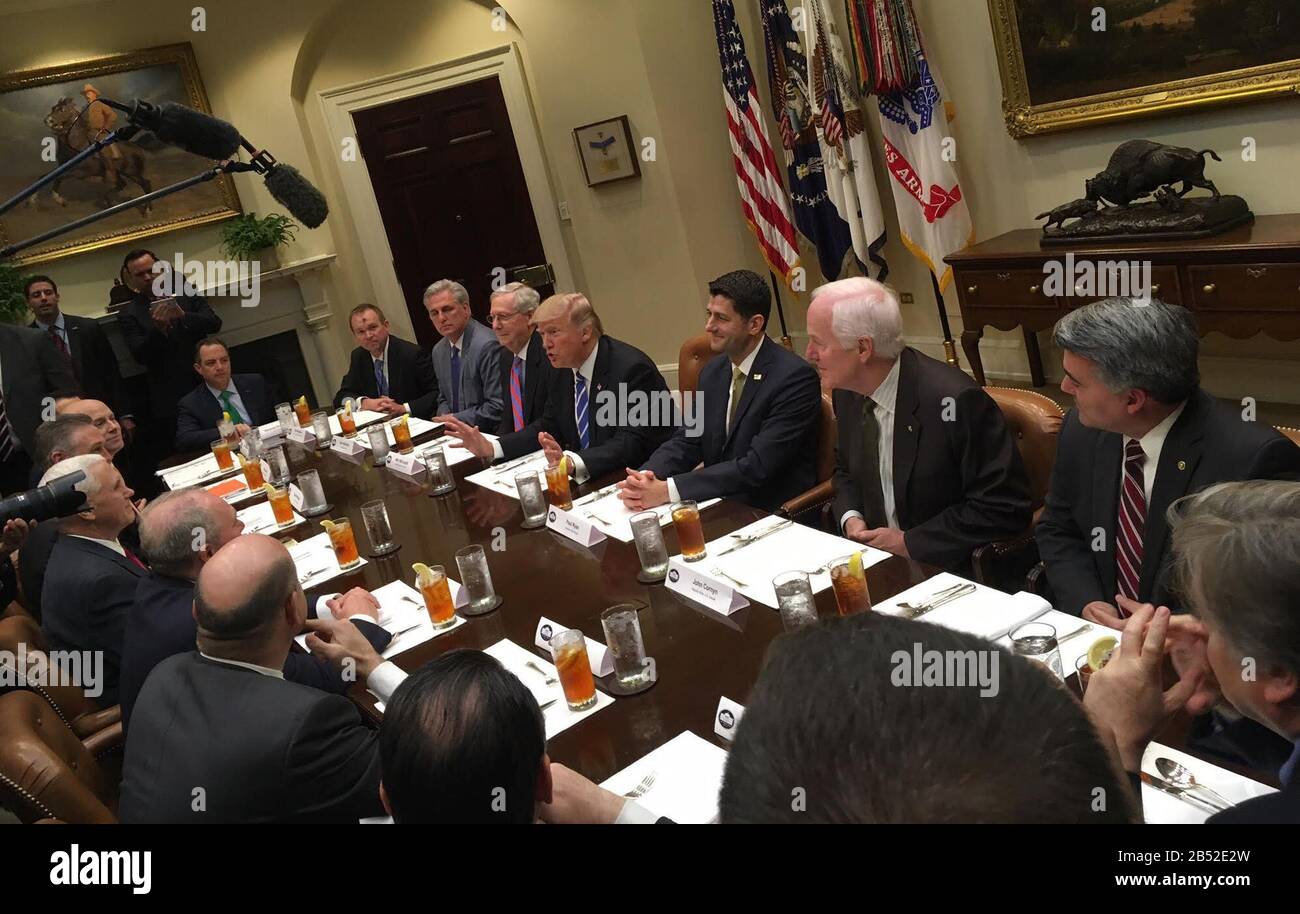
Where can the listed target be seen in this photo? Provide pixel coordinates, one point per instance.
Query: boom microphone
(296, 194)
(177, 125)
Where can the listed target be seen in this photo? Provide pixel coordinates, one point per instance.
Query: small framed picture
(607, 151)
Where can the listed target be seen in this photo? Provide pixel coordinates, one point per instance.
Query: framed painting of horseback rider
(49, 115)
(1079, 63)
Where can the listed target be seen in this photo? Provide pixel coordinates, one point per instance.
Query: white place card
(348, 447)
(296, 497)
(573, 525)
(406, 464)
(601, 660)
(727, 718)
(303, 436)
(702, 588)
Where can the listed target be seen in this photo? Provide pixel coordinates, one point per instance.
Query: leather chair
(82, 715)
(813, 506)
(1292, 433)
(1035, 422)
(46, 771)
(694, 354)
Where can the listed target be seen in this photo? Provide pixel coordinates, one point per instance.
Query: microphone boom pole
(122, 133)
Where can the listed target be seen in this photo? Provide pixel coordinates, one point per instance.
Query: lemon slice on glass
(422, 572)
(855, 564)
(328, 525)
(1100, 652)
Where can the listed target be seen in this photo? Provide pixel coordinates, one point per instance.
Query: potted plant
(247, 237)
(13, 304)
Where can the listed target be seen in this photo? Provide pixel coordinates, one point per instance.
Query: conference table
(700, 655)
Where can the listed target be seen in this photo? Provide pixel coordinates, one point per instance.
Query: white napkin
(609, 515)
(260, 518)
(316, 556)
(408, 623)
(987, 612)
(1163, 808)
(199, 470)
(555, 711)
(687, 778)
(414, 424)
(502, 478)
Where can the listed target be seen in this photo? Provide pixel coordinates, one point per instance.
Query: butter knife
(596, 496)
(755, 538)
(1161, 784)
(917, 611)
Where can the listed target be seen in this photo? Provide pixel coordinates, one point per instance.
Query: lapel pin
(757, 377)
(1182, 464)
(909, 428)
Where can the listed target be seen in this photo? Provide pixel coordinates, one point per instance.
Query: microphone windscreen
(194, 131)
(296, 194)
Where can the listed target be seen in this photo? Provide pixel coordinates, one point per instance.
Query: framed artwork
(46, 118)
(1067, 63)
(607, 151)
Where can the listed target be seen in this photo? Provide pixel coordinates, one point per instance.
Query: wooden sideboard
(1240, 283)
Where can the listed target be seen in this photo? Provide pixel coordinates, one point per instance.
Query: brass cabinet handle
(971, 290)
(1155, 288)
(1033, 290)
(1208, 289)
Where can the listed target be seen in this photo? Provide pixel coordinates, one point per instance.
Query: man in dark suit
(83, 343)
(161, 332)
(224, 719)
(608, 409)
(32, 376)
(762, 407)
(1235, 545)
(465, 359)
(246, 397)
(925, 466)
(387, 374)
(84, 605)
(526, 372)
(161, 621)
(1141, 434)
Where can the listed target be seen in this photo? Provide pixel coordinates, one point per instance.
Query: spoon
(1183, 777)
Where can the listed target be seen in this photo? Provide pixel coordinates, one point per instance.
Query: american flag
(762, 195)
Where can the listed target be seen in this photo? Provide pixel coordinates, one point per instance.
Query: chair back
(1035, 423)
(694, 354)
(45, 770)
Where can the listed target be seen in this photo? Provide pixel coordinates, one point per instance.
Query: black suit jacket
(94, 362)
(84, 605)
(958, 478)
(1208, 443)
(539, 375)
(771, 454)
(31, 369)
(167, 357)
(618, 368)
(410, 377)
(198, 412)
(262, 749)
(161, 624)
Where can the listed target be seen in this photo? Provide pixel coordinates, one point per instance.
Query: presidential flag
(787, 71)
(762, 197)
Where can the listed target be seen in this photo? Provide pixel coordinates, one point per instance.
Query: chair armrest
(1002, 563)
(90, 723)
(105, 741)
(818, 495)
(1036, 583)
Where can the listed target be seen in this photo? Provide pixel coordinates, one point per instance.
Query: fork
(550, 680)
(946, 595)
(642, 788)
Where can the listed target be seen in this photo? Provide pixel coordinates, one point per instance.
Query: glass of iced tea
(849, 581)
(344, 543)
(569, 649)
(303, 412)
(221, 451)
(401, 435)
(281, 507)
(437, 596)
(347, 422)
(557, 486)
(690, 535)
(252, 473)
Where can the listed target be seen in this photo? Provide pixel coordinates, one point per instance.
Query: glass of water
(320, 426)
(622, 628)
(288, 419)
(440, 477)
(1037, 641)
(313, 495)
(531, 499)
(275, 459)
(375, 515)
(650, 547)
(477, 581)
(794, 598)
(251, 443)
(378, 435)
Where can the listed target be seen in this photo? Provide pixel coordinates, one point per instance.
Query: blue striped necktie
(381, 383)
(580, 409)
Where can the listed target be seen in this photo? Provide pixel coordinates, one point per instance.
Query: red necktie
(134, 559)
(1132, 523)
(62, 346)
(517, 392)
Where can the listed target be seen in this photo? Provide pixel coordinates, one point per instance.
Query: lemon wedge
(855, 564)
(268, 489)
(328, 525)
(303, 400)
(1100, 652)
(564, 464)
(422, 571)
(225, 416)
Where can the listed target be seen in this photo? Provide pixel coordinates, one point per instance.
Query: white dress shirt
(580, 474)
(387, 377)
(746, 365)
(1153, 442)
(885, 397)
(107, 544)
(383, 681)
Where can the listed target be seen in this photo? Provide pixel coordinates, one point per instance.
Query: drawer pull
(971, 290)
(1155, 289)
(1033, 290)
(1256, 272)
(1208, 289)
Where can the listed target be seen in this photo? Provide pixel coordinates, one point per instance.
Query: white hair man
(925, 466)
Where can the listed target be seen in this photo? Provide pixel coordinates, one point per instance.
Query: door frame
(337, 106)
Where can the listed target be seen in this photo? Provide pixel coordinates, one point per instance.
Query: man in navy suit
(386, 374)
(526, 372)
(608, 408)
(465, 359)
(84, 603)
(246, 397)
(161, 621)
(762, 407)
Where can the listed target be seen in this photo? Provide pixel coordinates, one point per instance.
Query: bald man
(219, 735)
(180, 533)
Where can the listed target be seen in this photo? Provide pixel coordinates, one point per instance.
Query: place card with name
(602, 661)
(295, 497)
(406, 464)
(574, 526)
(348, 447)
(727, 718)
(703, 589)
(304, 436)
